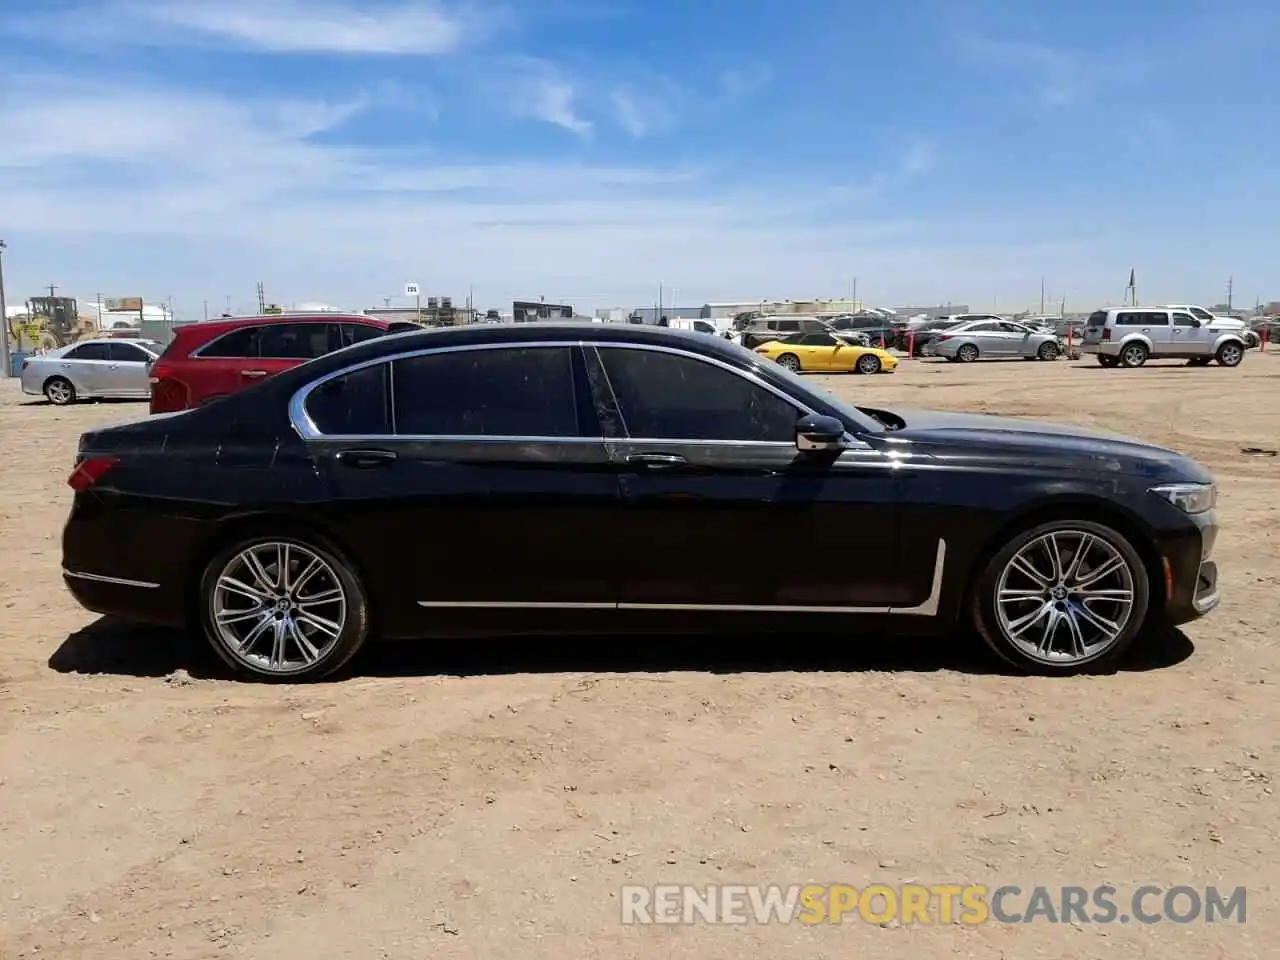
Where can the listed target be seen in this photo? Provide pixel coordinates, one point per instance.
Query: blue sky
(588, 150)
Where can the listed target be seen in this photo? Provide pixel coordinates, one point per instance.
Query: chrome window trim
(307, 429)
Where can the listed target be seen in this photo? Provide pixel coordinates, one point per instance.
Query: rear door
(722, 512)
(1154, 325)
(986, 334)
(86, 366)
(282, 346)
(1094, 326)
(471, 478)
(218, 368)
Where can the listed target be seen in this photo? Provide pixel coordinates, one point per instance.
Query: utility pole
(1230, 286)
(228, 311)
(855, 294)
(52, 290)
(6, 365)
(262, 299)
(658, 316)
(205, 305)
(1042, 296)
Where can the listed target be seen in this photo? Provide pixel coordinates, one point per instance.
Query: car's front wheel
(1048, 351)
(1062, 596)
(281, 607)
(1230, 354)
(868, 363)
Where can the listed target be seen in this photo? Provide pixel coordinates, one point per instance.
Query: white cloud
(641, 113)
(389, 27)
(1059, 77)
(543, 94)
(144, 189)
(742, 81)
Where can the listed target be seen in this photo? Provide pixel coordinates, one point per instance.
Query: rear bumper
(139, 601)
(1106, 348)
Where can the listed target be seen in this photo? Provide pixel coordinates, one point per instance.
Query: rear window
(356, 403)
(1098, 318)
(237, 343)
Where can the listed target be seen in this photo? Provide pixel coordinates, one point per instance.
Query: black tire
(1108, 362)
(868, 363)
(1230, 354)
(967, 353)
(59, 391)
(1048, 351)
(355, 630)
(789, 361)
(982, 601)
(1134, 355)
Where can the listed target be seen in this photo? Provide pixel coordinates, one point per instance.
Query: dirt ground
(491, 803)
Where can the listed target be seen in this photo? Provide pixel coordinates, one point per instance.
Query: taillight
(159, 370)
(943, 336)
(1106, 333)
(89, 471)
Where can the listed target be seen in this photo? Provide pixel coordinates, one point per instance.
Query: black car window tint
(1156, 320)
(355, 403)
(237, 344)
(359, 332)
(128, 353)
(294, 341)
(525, 392)
(89, 351)
(671, 397)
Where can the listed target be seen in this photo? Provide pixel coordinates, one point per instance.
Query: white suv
(1128, 336)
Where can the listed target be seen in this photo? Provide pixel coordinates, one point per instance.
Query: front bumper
(1191, 578)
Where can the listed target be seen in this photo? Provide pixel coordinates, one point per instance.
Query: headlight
(1189, 497)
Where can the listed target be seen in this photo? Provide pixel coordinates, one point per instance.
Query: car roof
(225, 324)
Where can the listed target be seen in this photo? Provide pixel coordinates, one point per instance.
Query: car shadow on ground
(116, 648)
(113, 401)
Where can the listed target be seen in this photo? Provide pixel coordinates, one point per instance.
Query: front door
(1190, 337)
(721, 511)
(474, 478)
(127, 370)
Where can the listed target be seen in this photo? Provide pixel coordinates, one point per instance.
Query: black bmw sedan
(532, 478)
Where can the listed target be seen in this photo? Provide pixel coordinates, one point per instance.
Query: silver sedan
(995, 340)
(115, 367)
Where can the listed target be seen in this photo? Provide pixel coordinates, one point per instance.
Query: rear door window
(237, 344)
(354, 404)
(90, 351)
(1184, 320)
(358, 332)
(517, 392)
(294, 341)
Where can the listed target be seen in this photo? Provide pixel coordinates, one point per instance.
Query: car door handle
(657, 461)
(253, 373)
(365, 459)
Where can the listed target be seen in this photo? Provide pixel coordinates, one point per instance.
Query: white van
(696, 324)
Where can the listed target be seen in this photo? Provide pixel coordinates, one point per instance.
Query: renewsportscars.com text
(929, 904)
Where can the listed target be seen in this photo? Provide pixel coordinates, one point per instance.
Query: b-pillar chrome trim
(927, 608)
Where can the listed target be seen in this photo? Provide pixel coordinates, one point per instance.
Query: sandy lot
(492, 803)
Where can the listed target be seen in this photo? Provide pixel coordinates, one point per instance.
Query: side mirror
(1198, 322)
(815, 432)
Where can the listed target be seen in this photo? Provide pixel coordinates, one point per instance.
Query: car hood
(978, 434)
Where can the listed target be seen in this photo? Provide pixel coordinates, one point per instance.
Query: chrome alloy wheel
(1065, 597)
(278, 607)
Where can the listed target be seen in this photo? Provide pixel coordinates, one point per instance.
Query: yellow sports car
(821, 352)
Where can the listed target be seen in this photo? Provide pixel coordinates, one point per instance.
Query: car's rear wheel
(868, 363)
(1048, 351)
(1062, 596)
(1230, 354)
(1134, 355)
(790, 361)
(59, 391)
(967, 353)
(283, 608)
(1105, 361)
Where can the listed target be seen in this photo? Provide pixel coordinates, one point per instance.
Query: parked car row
(627, 476)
